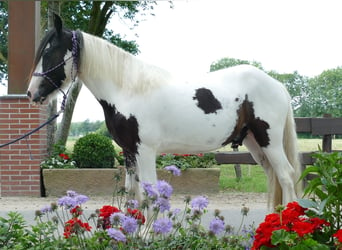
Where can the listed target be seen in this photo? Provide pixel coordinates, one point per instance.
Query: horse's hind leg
(284, 172)
(277, 168)
(282, 168)
(261, 159)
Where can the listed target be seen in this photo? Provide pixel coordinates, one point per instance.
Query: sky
(283, 35)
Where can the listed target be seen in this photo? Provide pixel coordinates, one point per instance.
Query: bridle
(74, 55)
(74, 68)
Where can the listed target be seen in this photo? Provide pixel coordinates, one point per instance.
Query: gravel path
(229, 204)
(218, 200)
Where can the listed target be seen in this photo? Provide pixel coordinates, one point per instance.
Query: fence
(326, 127)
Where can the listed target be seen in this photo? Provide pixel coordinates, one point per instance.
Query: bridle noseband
(74, 57)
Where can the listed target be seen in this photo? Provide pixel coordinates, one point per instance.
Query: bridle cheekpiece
(74, 57)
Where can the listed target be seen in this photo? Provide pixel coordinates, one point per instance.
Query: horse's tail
(291, 150)
(292, 154)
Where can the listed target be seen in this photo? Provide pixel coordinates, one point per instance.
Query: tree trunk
(53, 7)
(64, 126)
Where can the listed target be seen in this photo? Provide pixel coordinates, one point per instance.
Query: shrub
(94, 151)
(184, 161)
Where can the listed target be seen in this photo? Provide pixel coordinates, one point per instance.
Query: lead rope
(65, 95)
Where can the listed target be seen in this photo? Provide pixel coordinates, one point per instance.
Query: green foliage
(325, 189)
(3, 40)
(289, 240)
(324, 94)
(185, 161)
(297, 86)
(59, 158)
(66, 227)
(13, 232)
(230, 62)
(103, 130)
(85, 127)
(94, 151)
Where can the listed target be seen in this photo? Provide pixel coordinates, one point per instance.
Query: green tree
(3, 40)
(297, 85)
(227, 62)
(325, 93)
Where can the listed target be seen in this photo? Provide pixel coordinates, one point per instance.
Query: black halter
(74, 68)
(74, 57)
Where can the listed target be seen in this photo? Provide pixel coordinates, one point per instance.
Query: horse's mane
(103, 60)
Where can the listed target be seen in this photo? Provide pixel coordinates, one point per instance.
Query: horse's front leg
(140, 168)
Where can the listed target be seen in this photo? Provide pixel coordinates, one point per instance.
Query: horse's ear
(58, 23)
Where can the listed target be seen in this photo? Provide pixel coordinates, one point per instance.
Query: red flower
(292, 219)
(64, 156)
(76, 211)
(302, 228)
(137, 215)
(338, 235)
(106, 212)
(75, 226)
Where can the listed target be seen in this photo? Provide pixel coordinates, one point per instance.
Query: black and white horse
(149, 111)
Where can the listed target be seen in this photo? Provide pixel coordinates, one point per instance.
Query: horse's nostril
(29, 94)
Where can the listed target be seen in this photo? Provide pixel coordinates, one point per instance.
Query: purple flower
(163, 204)
(116, 234)
(151, 192)
(132, 204)
(199, 203)
(129, 224)
(46, 209)
(216, 226)
(67, 202)
(175, 212)
(164, 188)
(173, 169)
(72, 199)
(80, 199)
(162, 226)
(116, 218)
(71, 193)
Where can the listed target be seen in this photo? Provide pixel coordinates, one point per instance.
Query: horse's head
(55, 63)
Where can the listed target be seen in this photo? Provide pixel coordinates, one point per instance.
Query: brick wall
(19, 162)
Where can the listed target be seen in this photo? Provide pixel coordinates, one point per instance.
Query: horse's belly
(191, 136)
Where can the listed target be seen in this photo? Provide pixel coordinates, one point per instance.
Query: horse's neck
(106, 69)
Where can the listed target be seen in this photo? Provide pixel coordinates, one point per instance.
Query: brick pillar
(20, 162)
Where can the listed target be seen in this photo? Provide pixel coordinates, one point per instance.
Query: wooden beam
(23, 37)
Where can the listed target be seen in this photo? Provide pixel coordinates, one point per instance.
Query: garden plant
(310, 223)
(64, 225)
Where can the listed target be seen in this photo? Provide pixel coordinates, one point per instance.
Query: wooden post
(237, 168)
(23, 37)
(327, 139)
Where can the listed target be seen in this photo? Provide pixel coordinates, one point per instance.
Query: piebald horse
(149, 111)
